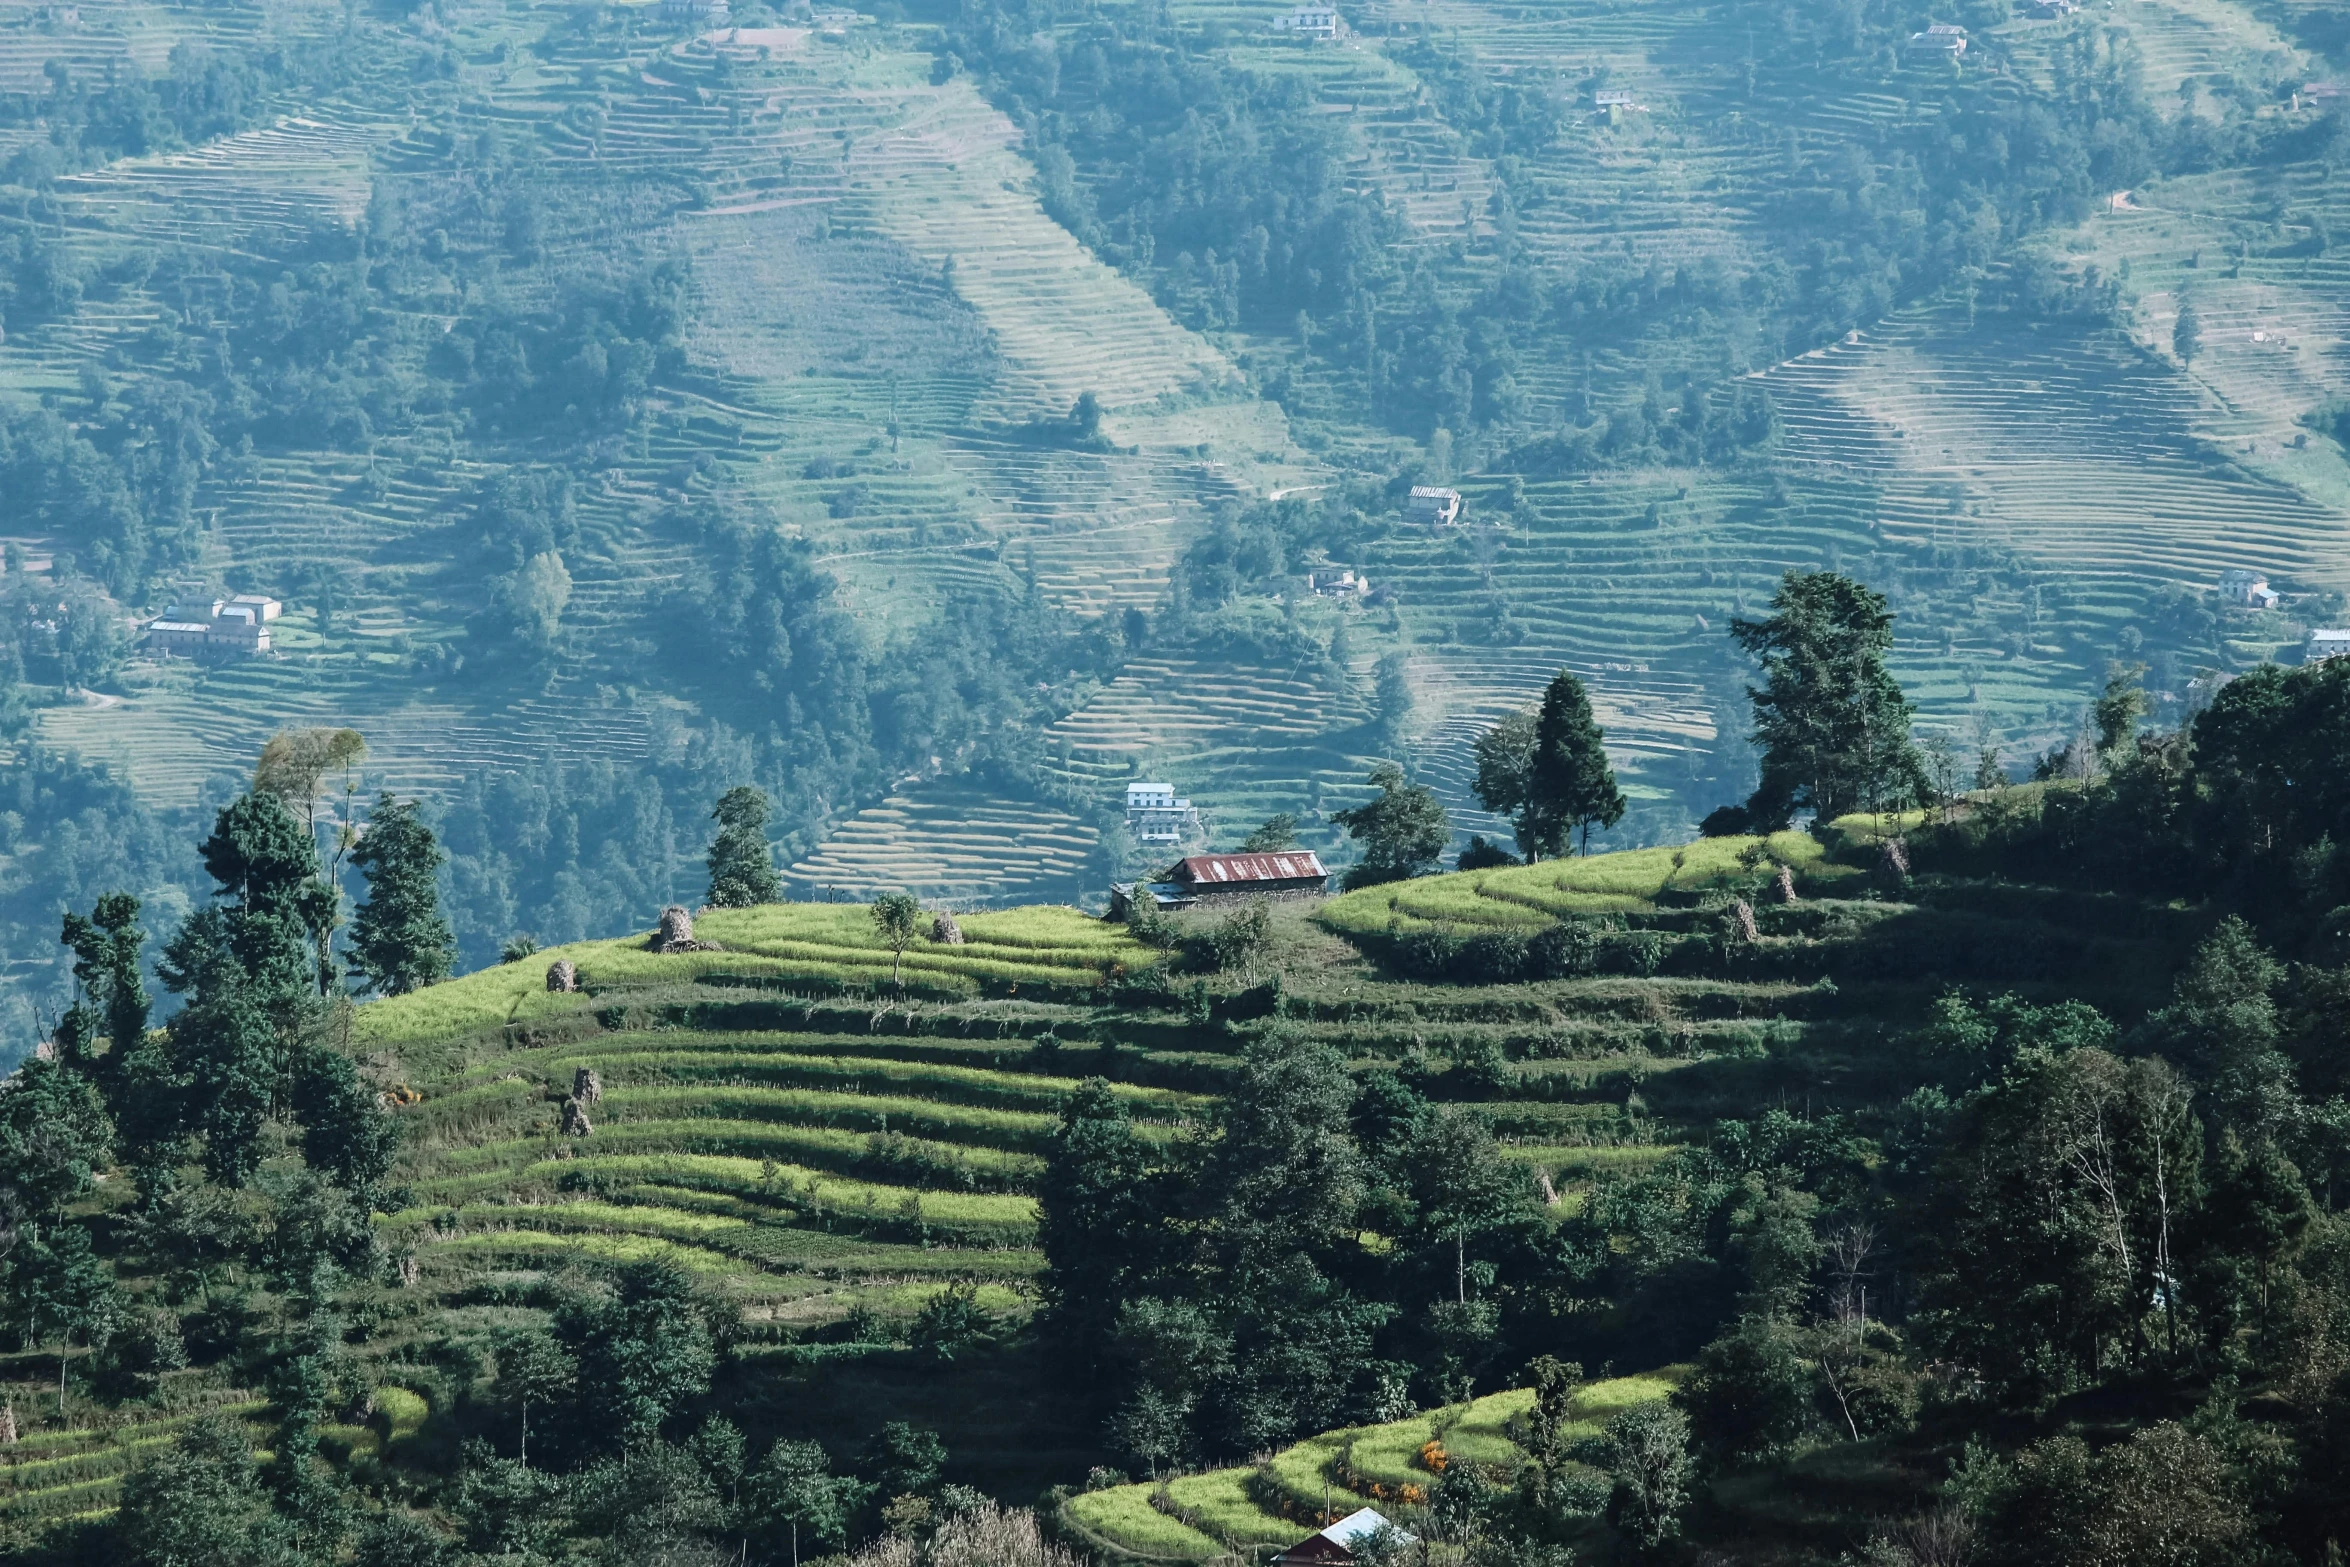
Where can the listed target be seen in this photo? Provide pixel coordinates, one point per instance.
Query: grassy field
(1531, 896)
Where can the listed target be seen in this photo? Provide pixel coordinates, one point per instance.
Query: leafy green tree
(202, 1504)
(1098, 1220)
(1570, 786)
(950, 1325)
(742, 868)
(2164, 1498)
(400, 940)
(508, 1509)
(266, 865)
(106, 965)
(55, 1137)
(2117, 710)
(2071, 1185)
(897, 919)
(651, 1503)
(1504, 756)
(58, 1290)
(1647, 1461)
(293, 767)
(1829, 719)
(2222, 1027)
(346, 1132)
(1752, 1395)
(1391, 694)
(224, 1068)
(795, 1500)
(1547, 1437)
(906, 1459)
(643, 1353)
(2186, 334)
(402, 1539)
(533, 1368)
(1278, 832)
(1403, 830)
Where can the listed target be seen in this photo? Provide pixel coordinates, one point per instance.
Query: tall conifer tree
(400, 939)
(742, 871)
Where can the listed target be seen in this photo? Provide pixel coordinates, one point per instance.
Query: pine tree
(400, 939)
(106, 965)
(742, 872)
(1570, 788)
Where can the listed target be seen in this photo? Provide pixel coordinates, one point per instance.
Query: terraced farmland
(1212, 1514)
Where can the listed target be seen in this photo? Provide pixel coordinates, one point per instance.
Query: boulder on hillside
(946, 930)
(562, 975)
(575, 1119)
(586, 1086)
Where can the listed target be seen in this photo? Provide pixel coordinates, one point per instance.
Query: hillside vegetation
(501, 286)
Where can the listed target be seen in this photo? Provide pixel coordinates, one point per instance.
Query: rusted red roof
(1218, 870)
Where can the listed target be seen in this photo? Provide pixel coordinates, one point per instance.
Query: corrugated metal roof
(1207, 870)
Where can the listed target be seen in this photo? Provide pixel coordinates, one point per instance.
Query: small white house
(1154, 813)
(1616, 98)
(1310, 21)
(2323, 646)
(1337, 584)
(2248, 588)
(1943, 38)
(204, 624)
(1433, 504)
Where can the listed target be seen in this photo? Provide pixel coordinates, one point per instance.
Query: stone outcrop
(586, 1087)
(676, 933)
(575, 1120)
(562, 975)
(944, 929)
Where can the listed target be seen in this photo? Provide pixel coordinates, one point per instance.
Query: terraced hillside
(830, 1151)
(1219, 1512)
(937, 311)
(887, 325)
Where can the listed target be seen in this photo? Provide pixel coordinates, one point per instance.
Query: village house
(1433, 504)
(2325, 645)
(1310, 21)
(2248, 588)
(2048, 9)
(202, 625)
(1288, 873)
(1155, 815)
(1617, 98)
(1942, 38)
(1336, 1546)
(1338, 584)
(701, 13)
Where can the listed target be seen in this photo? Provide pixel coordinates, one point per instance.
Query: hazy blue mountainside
(935, 416)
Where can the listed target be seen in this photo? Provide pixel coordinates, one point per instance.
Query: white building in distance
(1155, 815)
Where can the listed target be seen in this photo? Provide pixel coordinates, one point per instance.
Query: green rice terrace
(828, 1150)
